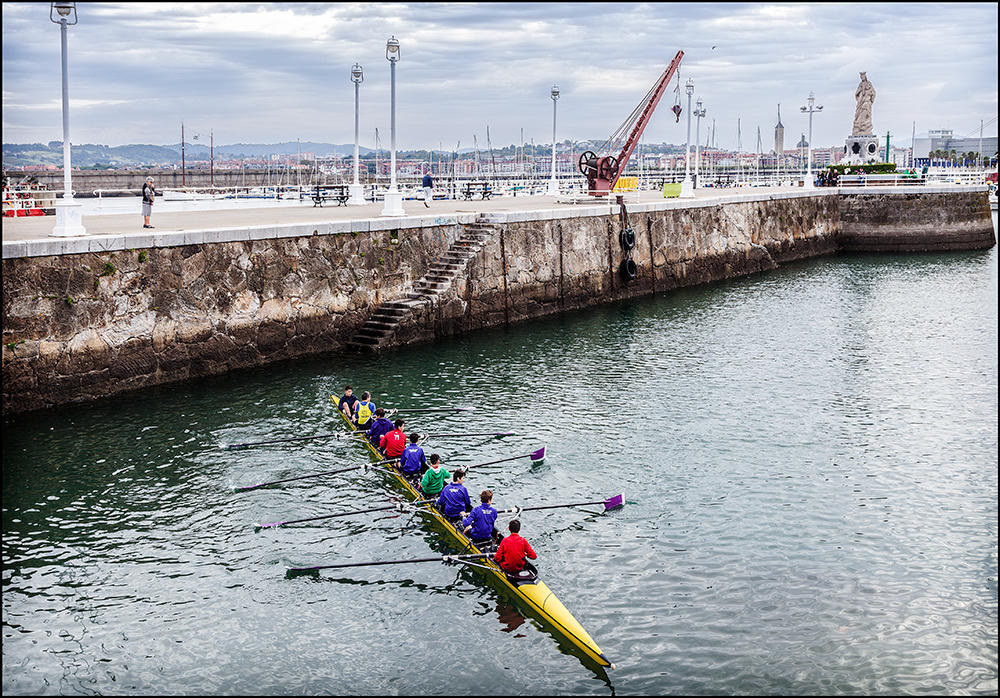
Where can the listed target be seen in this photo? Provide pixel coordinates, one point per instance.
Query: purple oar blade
(538, 456)
(615, 502)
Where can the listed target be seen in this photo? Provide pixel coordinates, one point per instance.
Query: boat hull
(535, 596)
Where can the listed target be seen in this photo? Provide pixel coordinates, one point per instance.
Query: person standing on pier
(148, 194)
(428, 185)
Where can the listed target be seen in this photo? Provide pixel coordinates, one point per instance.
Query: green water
(809, 458)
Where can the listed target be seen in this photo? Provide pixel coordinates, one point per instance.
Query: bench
(336, 193)
(471, 189)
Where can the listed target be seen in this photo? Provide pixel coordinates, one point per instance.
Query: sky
(274, 72)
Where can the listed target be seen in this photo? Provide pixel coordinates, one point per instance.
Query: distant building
(944, 139)
(779, 135)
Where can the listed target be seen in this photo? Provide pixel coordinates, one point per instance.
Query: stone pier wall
(915, 222)
(78, 327)
(537, 267)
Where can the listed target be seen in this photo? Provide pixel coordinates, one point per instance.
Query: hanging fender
(628, 270)
(626, 238)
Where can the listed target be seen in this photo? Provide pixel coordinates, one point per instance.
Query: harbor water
(808, 456)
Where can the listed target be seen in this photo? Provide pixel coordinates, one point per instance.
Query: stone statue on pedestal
(862, 145)
(865, 96)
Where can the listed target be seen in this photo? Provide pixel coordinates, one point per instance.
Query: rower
(513, 552)
(346, 404)
(412, 462)
(394, 442)
(479, 524)
(454, 498)
(379, 426)
(433, 480)
(363, 410)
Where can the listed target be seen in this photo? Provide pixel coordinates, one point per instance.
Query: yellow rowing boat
(534, 595)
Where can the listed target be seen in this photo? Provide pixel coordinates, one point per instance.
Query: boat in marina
(531, 593)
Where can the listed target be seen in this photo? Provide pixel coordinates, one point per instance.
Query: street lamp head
(689, 86)
(392, 49)
(555, 92)
(698, 104)
(357, 74)
(65, 10)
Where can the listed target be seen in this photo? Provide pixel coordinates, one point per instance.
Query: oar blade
(616, 502)
(538, 456)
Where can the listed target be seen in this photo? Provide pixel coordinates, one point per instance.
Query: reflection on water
(809, 458)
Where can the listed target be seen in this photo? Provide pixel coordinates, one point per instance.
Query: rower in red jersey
(394, 442)
(514, 550)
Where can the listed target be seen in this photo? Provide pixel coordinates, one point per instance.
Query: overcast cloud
(276, 72)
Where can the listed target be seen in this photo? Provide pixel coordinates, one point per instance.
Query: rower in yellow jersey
(363, 410)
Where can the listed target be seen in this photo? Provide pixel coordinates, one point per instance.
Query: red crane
(602, 172)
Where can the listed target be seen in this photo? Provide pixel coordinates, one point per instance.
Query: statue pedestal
(861, 150)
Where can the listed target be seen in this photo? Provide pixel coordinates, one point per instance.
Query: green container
(671, 191)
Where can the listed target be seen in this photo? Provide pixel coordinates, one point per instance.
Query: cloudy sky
(262, 72)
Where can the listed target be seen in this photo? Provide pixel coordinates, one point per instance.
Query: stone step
(374, 333)
(379, 325)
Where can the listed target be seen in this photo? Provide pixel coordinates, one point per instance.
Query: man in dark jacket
(428, 185)
(148, 194)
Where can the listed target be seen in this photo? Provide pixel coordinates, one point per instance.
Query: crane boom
(603, 172)
(646, 115)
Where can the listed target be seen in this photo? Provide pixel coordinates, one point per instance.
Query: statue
(865, 95)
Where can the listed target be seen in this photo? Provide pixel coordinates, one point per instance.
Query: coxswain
(454, 501)
(363, 410)
(514, 550)
(412, 462)
(434, 478)
(479, 524)
(346, 404)
(380, 426)
(393, 443)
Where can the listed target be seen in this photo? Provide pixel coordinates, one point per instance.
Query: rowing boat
(533, 595)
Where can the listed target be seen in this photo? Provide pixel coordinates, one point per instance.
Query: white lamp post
(687, 188)
(553, 184)
(811, 108)
(357, 196)
(393, 197)
(68, 216)
(699, 112)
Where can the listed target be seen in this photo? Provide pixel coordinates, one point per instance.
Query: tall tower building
(779, 135)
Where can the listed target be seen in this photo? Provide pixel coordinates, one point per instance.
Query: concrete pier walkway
(247, 215)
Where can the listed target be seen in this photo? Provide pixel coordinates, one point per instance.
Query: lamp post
(699, 112)
(68, 215)
(393, 197)
(357, 196)
(553, 184)
(687, 188)
(811, 108)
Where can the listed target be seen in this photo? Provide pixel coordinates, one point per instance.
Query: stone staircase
(379, 329)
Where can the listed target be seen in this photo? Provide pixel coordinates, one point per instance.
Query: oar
(398, 506)
(337, 435)
(434, 409)
(473, 433)
(615, 502)
(536, 457)
(447, 559)
(363, 468)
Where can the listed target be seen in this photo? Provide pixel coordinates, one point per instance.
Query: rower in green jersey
(434, 478)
